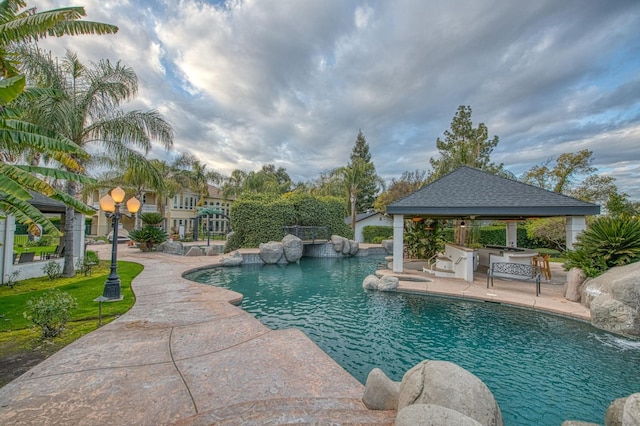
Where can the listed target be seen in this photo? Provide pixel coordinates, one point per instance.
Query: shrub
(152, 218)
(52, 269)
(423, 239)
(376, 234)
(41, 242)
(11, 279)
(608, 242)
(148, 237)
(50, 311)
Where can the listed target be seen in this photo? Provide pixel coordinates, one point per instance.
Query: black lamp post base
(112, 290)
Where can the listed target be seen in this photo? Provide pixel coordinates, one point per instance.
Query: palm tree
(193, 174)
(87, 112)
(20, 26)
(17, 137)
(233, 185)
(354, 177)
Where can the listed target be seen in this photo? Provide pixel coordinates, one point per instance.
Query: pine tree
(465, 145)
(370, 182)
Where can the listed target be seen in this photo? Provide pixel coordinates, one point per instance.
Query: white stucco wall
(376, 220)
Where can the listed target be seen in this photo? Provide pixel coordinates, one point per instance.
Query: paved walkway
(184, 354)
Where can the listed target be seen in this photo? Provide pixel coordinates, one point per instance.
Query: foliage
(11, 279)
(52, 269)
(608, 242)
(571, 167)
(423, 239)
(259, 219)
(408, 183)
(50, 311)
(152, 218)
(40, 242)
(85, 264)
(369, 181)
(148, 236)
(375, 234)
(464, 145)
(86, 111)
(547, 232)
(21, 139)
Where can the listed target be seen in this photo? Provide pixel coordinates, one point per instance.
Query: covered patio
(469, 194)
(33, 267)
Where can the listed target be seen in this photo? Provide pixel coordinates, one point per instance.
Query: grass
(19, 341)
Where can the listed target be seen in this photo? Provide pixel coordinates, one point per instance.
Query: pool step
(293, 410)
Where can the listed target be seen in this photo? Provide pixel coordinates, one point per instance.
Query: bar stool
(542, 261)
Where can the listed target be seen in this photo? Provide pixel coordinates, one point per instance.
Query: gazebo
(47, 206)
(472, 194)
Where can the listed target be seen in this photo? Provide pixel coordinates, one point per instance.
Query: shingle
(468, 191)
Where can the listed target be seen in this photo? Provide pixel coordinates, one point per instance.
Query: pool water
(542, 369)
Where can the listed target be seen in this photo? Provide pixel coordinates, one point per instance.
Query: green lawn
(20, 341)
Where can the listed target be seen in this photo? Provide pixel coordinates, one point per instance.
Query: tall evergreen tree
(465, 145)
(369, 182)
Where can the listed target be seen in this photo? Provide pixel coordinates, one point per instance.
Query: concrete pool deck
(184, 354)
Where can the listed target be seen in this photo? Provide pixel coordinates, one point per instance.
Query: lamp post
(111, 205)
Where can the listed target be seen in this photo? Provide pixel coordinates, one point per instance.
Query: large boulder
(380, 392)
(271, 252)
(388, 246)
(171, 247)
(292, 247)
(346, 246)
(613, 416)
(370, 282)
(337, 242)
(614, 316)
(232, 259)
(631, 411)
(211, 251)
(388, 283)
(194, 251)
(614, 300)
(432, 415)
(575, 281)
(449, 385)
(354, 246)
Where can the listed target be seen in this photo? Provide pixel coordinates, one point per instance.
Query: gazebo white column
(398, 243)
(7, 233)
(574, 226)
(512, 233)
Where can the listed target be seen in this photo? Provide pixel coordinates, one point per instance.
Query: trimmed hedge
(258, 218)
(496, 235)
(375, 234)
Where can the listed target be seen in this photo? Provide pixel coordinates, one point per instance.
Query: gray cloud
(246, 83)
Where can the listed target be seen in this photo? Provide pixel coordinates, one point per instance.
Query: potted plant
(150, 234)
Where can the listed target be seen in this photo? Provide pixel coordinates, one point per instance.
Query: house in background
(179, 213)
(371, 218)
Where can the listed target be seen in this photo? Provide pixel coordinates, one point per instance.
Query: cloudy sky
(290, 82)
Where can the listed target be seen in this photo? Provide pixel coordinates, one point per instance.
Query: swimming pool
(542, 369)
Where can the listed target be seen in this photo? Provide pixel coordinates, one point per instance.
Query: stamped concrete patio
(186, 355)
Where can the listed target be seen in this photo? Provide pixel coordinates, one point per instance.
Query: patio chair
(26, 257)
(542, 261)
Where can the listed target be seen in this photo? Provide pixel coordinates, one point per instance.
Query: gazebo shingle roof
(471, 192)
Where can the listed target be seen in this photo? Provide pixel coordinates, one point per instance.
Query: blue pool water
(542, 369)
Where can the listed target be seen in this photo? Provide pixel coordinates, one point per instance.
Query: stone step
(293, 410)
